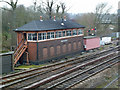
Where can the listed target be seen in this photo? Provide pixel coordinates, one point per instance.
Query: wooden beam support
(27, 58)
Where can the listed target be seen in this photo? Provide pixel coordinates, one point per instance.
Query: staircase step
(17, 58)
(19, 52)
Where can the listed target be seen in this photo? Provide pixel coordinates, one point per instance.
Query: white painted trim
(56, 38)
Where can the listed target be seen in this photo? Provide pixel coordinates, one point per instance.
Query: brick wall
(54, 48)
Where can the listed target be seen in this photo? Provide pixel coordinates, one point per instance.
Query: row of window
(51, 35)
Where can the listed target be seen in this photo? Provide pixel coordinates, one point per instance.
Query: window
(80, 32)
(32, 36)
(58, 34)
(63, 32)
(74, 32)
(48, 35)
(52, 35)
(41, 36)
(68, 33)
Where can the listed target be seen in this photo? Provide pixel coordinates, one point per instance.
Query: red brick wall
(54, 48)
(19, 37)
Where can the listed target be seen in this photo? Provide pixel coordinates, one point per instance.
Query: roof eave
(18, 30)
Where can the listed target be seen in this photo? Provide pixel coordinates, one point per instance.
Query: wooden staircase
(22, 46)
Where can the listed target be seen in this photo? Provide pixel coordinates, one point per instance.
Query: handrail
(18, 45)
(19, 48)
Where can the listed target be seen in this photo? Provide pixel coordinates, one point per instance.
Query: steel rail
(39, 74)
(74, 76)
(18, 81)
(92, 74)
(44, 81)
(58, 63)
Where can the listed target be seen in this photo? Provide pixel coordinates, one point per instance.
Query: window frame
(57, 34)
(32, 37)
(52, 35)
(43, 36)
(68, 33)
(73, 32)
(79, 32)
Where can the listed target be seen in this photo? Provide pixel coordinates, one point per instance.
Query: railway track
(59, 80)
(84, 75)
(14, 80)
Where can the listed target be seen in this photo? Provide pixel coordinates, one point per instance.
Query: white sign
(64, 40)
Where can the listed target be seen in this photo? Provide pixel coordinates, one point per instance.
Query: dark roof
(38, 25)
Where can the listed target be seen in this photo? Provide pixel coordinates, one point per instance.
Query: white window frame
(52, 34)
(64, 35)
(43, 36)
(57, 34)
(80, 32)
(69, 33)
(73, 32)
(49, 36)
(31, 36)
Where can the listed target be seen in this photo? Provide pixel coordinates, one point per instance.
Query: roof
(38, 25)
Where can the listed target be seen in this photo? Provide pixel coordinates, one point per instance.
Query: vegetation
(18, 15)
(101, 19)
(29, 66)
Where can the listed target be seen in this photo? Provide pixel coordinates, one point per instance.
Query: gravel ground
(102, 79)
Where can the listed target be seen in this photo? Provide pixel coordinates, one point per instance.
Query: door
(25, 36)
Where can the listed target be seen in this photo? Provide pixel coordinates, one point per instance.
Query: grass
(29, 66)
(107, 80)
(3, 51)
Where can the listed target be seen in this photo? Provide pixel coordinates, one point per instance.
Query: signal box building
(42, 40)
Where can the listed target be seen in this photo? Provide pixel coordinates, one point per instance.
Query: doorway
(25, 36)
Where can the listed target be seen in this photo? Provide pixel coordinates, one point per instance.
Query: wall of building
(91, 43)
(46, 50)
(19, 37)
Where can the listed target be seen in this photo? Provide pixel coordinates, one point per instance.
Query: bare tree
(51, 8)
(11, 3)
(13, 6)
(98, 19)
(63, 7)
(46, 8)
(101, 11)
(57, 10)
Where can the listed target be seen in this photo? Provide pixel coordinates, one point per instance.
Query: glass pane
(39, 36)
(44, 36)
(29, 36)
(80, 32)
(57, 34)
(63, 32)
(60, 33)
(34, 36)
(68, 33)
(74, 32)
(52, 34)
(48, 35)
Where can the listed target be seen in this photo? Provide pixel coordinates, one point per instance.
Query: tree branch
(6, 2)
